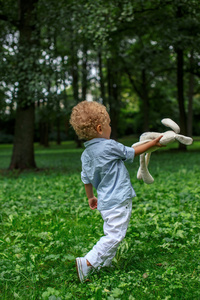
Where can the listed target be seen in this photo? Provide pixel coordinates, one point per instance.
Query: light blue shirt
(103, 167)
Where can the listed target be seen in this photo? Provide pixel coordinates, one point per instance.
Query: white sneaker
(82, 268)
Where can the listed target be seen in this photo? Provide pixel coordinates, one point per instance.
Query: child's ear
(99, 129)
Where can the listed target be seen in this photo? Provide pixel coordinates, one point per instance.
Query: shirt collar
(93, 141)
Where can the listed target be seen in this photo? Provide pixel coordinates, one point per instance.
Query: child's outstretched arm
(91, 198)
(144, 147)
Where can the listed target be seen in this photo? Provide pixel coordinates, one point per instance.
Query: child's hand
(157, 143)
(93, 202)
(148, 145)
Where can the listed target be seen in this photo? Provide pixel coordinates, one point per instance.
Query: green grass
(45, 223)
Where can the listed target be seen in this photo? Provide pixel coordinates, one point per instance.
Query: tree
(173, 26)
(184, 26)
(31, 36)
(23, 152)
(56, 44)
(190, 96)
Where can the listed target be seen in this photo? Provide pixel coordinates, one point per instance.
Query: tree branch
(132, 81)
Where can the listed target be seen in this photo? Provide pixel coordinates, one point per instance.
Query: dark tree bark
(84, 73)
(58, 115)
(23, 150)
(64, 95)
(44, 133)
(58, 130)
(57, 99)
(75, 75)
(102, 83)
(190, 98)
(145, 102)
(75, 79)
(180, 84)
(180, 95)
(180, 90)
(113, 96)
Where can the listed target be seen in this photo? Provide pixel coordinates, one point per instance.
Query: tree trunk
(145, 102)
(190, 98)
(75, 76)
(113, 97)
(44, 133)
(102, 85)
(58, 131)
(84, 73)
(65, 102)
(58, 117)
(57, 98)
(75, 79)
(180, 84)
(23, 150)
(180, 90)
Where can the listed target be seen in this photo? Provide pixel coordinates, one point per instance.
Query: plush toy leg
(146, 176)
(139, 174)
(147, 158)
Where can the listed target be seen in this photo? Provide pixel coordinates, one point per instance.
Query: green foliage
(53, 59)
(45, 223)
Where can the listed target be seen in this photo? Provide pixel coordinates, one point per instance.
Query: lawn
(45, 223)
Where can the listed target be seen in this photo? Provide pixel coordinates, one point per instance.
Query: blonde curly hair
(86, 116)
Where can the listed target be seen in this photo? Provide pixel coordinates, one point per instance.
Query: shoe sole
(79, 269)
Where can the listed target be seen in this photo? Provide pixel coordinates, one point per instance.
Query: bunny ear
(186, 140)
(169, 123)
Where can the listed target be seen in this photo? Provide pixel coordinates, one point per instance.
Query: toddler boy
(103, 168)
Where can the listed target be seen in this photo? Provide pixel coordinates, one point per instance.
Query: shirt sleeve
(84, 178)
(118, 150)
(130, 154)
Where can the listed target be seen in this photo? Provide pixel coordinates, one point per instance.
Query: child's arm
(91, 198)
(144, 147)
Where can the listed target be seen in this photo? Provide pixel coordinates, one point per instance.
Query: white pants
(116, 222)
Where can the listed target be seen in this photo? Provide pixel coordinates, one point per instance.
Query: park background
(141, 60)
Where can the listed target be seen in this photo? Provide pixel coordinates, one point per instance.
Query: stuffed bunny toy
(167, 138)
